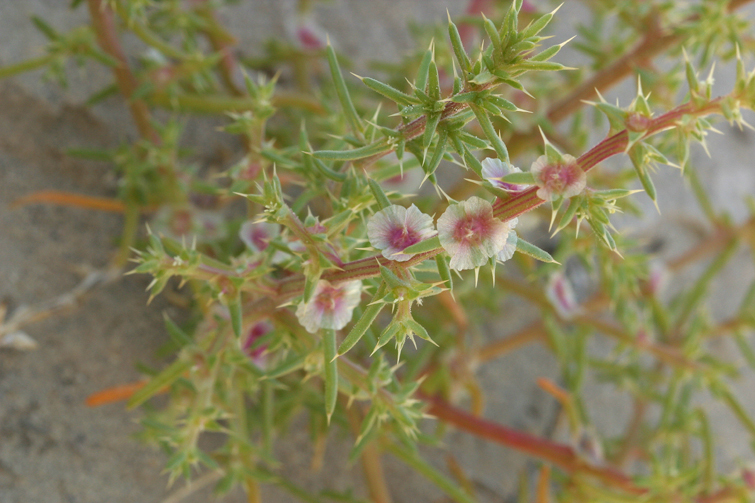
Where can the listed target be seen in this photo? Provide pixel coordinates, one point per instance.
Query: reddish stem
(560, 455)
(504, 209)
(104, 26)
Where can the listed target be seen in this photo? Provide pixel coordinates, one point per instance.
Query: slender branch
(505, 210)
(222, 42)
(102, 21)
(371, 466)
(560, 455)
(530, 333)
(214, 104)
(26, 66)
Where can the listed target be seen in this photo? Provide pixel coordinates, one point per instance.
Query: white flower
(562, 179)
(394, 228)
(561, 295)
(493, 170)
(257, 235)
(470, 233)
(330, 307)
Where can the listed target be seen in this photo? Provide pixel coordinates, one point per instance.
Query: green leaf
(47, 30)
(178, 336)
(234, 308)
(458, 47)
(491, 134)
(423, 246)
(440, 149)
(291, 364)
(525, 177)
(366, 433)
(331, 371)
(492, 32)
(443, 271)
(390, 331)
(162, 380)
(433, 83)
(343, 93)
(388, 91)
(391, 279)
(568, 215)
(419, 330)
(541, 66)
(377, 192)
(430, 126)
(537, 25)
(326, 171)
(533, 251)
(365, 321)
(424, 68)
(355, 154)
(502, 103)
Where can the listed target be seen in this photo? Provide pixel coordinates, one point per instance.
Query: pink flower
(561, 179)
(308, 34)
(494, 169)
(257, 235)
(394, 228)
(470, 233)
(561, 295)
(331, 306)
(257, 354)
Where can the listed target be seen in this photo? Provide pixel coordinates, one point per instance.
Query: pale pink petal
(331, 306)
(257, 235)
(470, 233)
(494, 169)
(394, 228)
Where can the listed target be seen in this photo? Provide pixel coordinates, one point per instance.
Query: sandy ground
(53, 449)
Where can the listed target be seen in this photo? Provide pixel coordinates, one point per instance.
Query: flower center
(329, 298)
(401, 237)
(472, 229)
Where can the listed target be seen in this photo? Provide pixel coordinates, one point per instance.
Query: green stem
(441, 480)
(25, 66)
(130, 228)
(218, 104)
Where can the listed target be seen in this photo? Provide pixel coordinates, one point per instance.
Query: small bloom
(257, 235)
(394, 228)
(188, 223)
(493, 170)
(561, 295)
(562, 179)
(331, 306)
(470, 233)
(308, 35)
(257, 354)
(510, 247)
